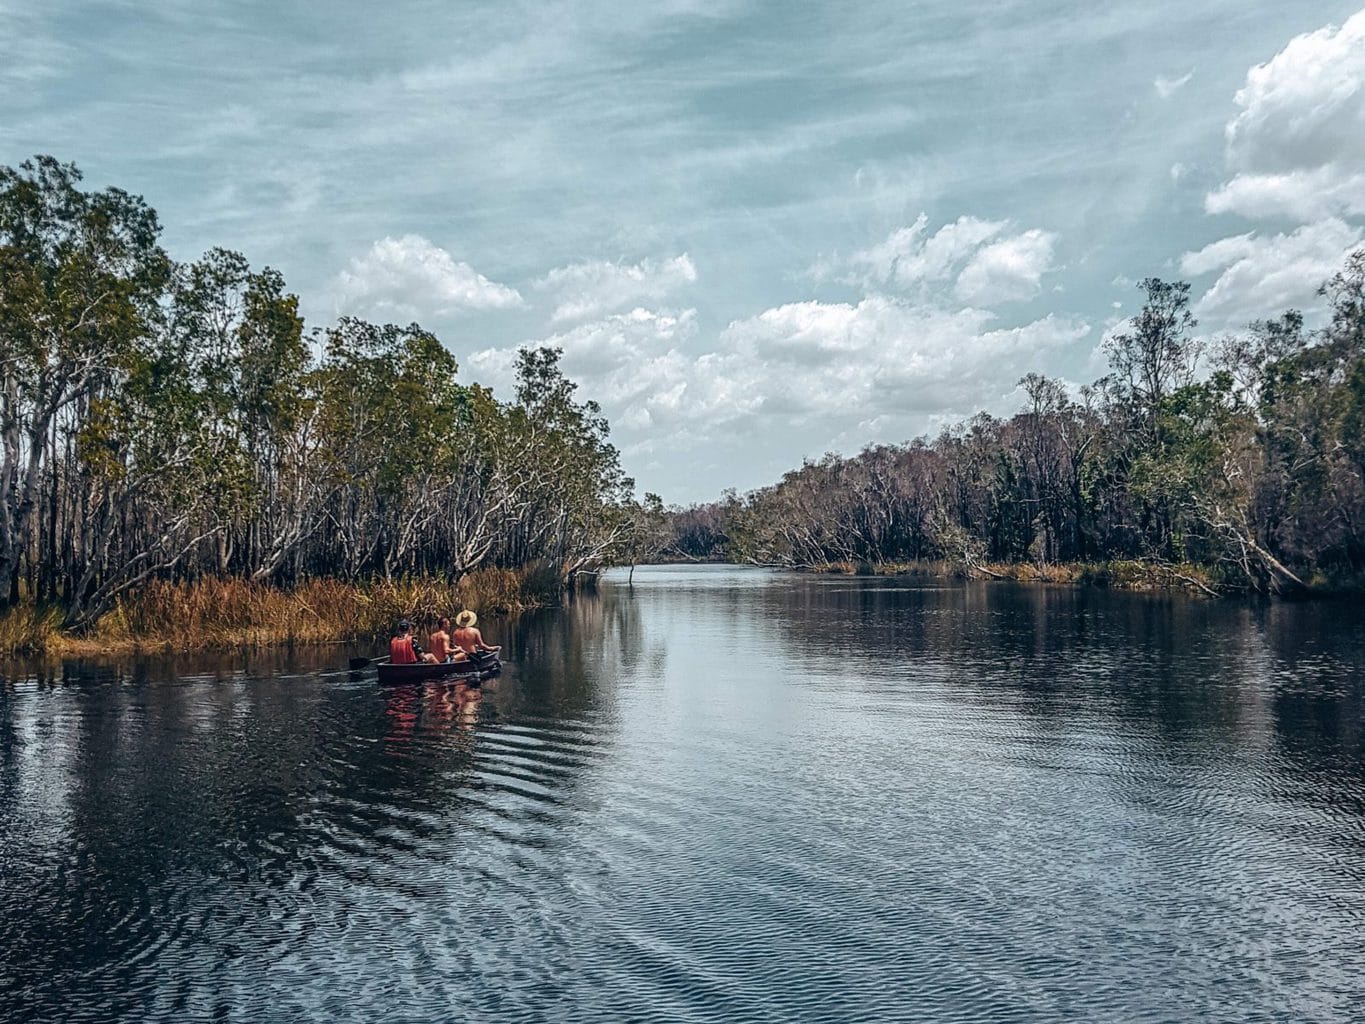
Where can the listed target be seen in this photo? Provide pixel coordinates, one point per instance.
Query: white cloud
(908, 258)
(1296, 148)
(880, 360)
(1007, 270)
(1297, 143)
(830, 367)
(1168, 87)
(883, 356)
(595, 287)
(615, 343)
(628, 361)
(1218, 255)
(493, 368)
(409, 277)
(1262, 276)
(1300, 194)
(985, 264)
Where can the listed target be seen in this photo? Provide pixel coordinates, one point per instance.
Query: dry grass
(926, 568)
(224, 614)
(1128, 575)
(28, 629)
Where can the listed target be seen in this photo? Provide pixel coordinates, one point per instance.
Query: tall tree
(81, 274)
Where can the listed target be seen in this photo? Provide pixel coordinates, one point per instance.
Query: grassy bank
(225, 614)
(1126, 575)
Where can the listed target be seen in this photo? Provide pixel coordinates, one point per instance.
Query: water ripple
(718, 796)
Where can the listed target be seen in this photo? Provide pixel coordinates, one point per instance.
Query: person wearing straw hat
(467, 636)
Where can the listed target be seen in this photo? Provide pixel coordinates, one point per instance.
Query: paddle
(367, 662)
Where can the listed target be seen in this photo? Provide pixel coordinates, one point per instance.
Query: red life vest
(401, 652)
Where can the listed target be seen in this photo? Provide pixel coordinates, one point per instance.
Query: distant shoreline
(1118, 575)
(1133, 575)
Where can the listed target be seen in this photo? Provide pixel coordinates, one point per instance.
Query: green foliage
(172, 422)
(1249, 474)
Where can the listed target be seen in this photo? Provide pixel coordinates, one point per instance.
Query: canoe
(483, 665)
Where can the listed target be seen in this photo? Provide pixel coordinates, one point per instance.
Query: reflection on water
(721, 794)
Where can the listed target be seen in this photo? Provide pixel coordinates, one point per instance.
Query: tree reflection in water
(682, 793)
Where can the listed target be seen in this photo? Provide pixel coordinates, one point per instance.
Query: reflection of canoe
(481, 666)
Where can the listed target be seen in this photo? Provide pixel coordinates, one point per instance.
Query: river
(718, 795)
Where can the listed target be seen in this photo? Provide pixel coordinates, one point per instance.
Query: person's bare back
(443, 646)
(467, 636)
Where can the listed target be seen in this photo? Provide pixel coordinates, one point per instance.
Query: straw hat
(466, 619)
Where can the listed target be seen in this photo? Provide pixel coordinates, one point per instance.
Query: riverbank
(229, 614)
(1123, 575)
(1117, 574)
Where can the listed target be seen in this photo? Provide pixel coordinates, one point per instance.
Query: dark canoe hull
(476, 670)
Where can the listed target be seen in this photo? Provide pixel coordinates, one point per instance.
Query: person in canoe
(467, 636)
(403, 649)
(443, 648)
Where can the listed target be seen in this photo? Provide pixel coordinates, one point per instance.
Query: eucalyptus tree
(572, 495)
(648, 534)
(241, 336)
(1305, 393)
(1157, 354)
(697, 533)
(1048, 461)
(480, 496)
(388, 407)
(150, 481)
(81, 274)
(1344, 336)
(1150, 361)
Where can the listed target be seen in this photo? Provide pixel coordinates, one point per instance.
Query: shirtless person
(467, 637)
(443, 648)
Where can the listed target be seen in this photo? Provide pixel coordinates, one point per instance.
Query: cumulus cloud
(907, 257)
(610, 352)
(884, 356)
(922, 343)
(595, 287)
(882, 360)
(1296, 150)
(1297, 143)
(1007, 270)
(1262, 276)
(1299, 194)
(630, 362)
(409, 277)
(979, 258)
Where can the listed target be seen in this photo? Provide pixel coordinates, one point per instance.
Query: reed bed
(1127, 575)
(230, 613)
(29, 629)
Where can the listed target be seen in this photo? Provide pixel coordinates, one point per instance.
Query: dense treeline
(1246, 461)
(176, 421)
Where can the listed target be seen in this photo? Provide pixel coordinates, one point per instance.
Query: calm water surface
(722, 795)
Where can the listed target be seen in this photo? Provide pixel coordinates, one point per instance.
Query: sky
(758, 231)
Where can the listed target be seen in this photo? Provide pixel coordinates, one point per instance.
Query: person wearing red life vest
(403, 649)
